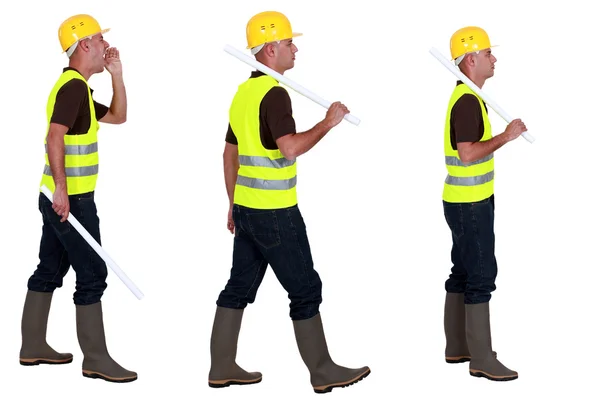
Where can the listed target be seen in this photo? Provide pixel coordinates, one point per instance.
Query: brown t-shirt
(72, 107)
(466, 121)
(276, 118)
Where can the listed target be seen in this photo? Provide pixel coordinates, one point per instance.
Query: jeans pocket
(51, 218)
(455, 219)
(264, 228)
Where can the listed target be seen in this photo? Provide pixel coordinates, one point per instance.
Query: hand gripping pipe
(286, 81)
(92, 242)
(452, 68)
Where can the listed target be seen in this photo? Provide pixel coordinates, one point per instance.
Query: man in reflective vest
(468, 199)
(70, 171)
(260, 175)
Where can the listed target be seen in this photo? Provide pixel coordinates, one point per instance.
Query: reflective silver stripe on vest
(75, 171)
(470, 180)
(270, 184)
(79, 150)
(455, 161)
(258, 161)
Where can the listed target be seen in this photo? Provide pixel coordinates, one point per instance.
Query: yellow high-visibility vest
(81, 151)
(266, 179)
(474, 181)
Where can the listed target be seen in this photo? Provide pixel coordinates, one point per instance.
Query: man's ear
(270, 49)
(84, 45)
(470, 59)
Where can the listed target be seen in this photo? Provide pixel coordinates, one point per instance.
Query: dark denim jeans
(277, 238)
(62, 246)
(474, 262)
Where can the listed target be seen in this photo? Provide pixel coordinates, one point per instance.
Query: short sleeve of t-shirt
(100, 109)
(466, 120)
(72, 102)
(230, 136)
(276, 113)
(69, 100)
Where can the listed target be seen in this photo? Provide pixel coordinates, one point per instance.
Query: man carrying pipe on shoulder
(468, 200)
(260, 175)
(71, 172)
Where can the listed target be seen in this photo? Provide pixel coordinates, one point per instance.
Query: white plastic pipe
(92, 242)
(452, 68)
(286, 81)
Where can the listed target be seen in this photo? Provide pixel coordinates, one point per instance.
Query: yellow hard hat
(268, 26)
(78, 27)
(467, 40)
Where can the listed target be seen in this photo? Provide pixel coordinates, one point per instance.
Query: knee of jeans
(479, 294)
(100, 287)
(44, 283)
(237, 294)
(242, 289)
(230, 300)
(250, 297)
(305, 312)
(86, 299)
(314, 284)
(102, 275)
(454, 286)
(477, 299)
(91, 290)
(306, 303)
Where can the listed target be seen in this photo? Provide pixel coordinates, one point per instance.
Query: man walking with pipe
(468, 199)
(70, 172)
(260, 175)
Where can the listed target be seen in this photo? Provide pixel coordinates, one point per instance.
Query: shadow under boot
(483, 360)
(325, 375)
(97, 363)
(34, 348)
(224, 371)
(457, 350)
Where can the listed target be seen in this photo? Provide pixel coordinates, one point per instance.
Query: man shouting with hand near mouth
(70, 172)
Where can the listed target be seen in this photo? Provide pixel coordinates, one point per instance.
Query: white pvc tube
(452, 68)
(92, 242)
(286, 81)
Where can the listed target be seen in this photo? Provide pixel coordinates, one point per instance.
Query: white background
(370, 196)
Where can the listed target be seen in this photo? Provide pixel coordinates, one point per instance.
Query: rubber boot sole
(38, 361)
(98, 375)
(329, 388)
(457, 360)
(481, 374)
(228, 382)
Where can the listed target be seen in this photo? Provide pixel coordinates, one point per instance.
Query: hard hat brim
(102, 31)
(294, 34)
(494, 45)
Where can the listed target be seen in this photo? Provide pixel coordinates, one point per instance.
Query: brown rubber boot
(483, 360)
(34, 348)
(223, 349)
(324, 373)
(457, 350)
(97, 363)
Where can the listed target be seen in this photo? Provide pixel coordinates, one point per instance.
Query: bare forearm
(479, 150)
(231, 171)
(118, 105)
(304, 141)
(56, 156)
